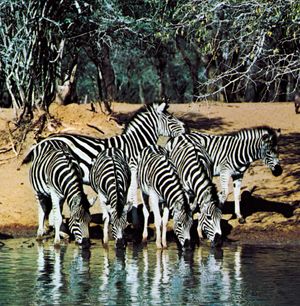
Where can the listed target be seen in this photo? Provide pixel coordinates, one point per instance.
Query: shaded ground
(270, 204)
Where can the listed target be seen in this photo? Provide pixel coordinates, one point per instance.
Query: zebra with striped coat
(194, 169)
(232, 154)
(161, 189)
(55, 177)
(110, 179)
(144, 129)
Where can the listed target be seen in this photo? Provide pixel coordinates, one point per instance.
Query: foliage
(232, 50)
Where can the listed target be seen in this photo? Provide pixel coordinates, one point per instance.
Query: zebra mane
(260, 130)
(212, 191)
(145, 109)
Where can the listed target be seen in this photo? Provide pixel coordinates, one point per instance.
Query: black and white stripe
(55, 177)
(194, 169)
(232, 154)
(162, 191)
(144, 129)
(110, 179)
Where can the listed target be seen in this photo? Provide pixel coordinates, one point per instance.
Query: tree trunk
(66, 93)
(108, 74)
(193, 65)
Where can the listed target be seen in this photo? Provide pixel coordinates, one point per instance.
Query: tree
(252, 48)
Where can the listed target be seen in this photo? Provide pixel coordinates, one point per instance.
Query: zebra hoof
(242, 220)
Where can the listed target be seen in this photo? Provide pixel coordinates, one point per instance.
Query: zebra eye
(208, 218)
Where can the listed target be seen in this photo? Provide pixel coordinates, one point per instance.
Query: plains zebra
(162, 190)
(55, 177)
(232, 154)
(110, 179)
(144, 129)
(194, 169)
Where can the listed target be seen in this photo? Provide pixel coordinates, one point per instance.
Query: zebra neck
(207, 193)
(139, 137)
(252, 151)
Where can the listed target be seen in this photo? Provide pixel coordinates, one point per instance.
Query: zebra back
(156, 170)
(194, 168)
(59, 170)
(144, 129)
(110, 174)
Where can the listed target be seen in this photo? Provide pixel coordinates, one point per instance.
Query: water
(32, 274)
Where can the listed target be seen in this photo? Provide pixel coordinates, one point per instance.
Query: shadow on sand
(251, 204)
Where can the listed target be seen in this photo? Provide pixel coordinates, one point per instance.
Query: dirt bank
(272, 210)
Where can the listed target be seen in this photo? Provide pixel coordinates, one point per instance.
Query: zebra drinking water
(194, 169)
(110, 179)
(144, 129)
(162, 190)
(55, 177)
(232, 154)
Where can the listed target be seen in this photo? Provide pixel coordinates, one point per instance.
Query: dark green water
(32, 274)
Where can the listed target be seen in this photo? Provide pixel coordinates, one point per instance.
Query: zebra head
(269, 151)
(183, 222)
(80, 219)
(209, 219)
(167, 124)
(119, 224)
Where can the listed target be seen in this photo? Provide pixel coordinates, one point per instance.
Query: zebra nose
(217, 242)
(277, 170)
(187, 245)
(85, 243)
(121, 243)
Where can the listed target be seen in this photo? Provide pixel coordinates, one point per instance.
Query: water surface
(39, 274)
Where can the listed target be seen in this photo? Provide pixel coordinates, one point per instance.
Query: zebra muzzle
(217, 242)
(277, 170)
(121, 243)
(85, 243)
(187, 246)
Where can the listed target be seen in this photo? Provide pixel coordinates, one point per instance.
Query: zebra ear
(176, 208)
(160, 108)
(278, 132)
(266, 137)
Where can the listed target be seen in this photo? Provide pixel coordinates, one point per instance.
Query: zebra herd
(173, 180)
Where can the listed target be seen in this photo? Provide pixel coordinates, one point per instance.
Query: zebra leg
(165, 220)
(133, 199)
(224, 182)
(43, 210)
(237, 182)
(154, 204)
(56, 207)
(146, 216)
(105, 218)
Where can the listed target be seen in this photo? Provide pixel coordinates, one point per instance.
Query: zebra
(144, 129)
(161, 189)
(55, 177)
(194, 169)
(232, 154)
(110, 179)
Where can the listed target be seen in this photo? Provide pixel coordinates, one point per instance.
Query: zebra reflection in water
(50, 278)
